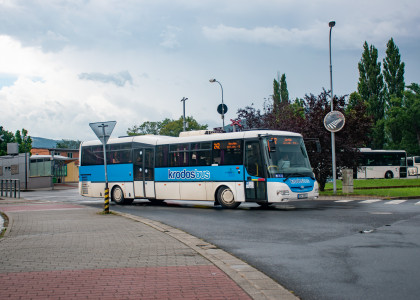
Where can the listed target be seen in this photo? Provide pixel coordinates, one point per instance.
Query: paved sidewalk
(66, 251)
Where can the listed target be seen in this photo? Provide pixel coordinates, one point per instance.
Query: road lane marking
(343, 201)
(418, 203)
(395, 201)
(370, 201)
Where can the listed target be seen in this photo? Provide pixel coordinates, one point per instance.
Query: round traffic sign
(334, 121)
(222, 109)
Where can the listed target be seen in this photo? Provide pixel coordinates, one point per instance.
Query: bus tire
(226, 198)
(389, 175)
(117, 195)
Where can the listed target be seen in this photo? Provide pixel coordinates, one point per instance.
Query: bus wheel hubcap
(227, 196)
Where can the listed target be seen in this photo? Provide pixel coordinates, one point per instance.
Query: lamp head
(331, 24)
(212, 80)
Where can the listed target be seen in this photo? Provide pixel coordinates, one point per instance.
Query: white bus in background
(413, 163)
(382, 164)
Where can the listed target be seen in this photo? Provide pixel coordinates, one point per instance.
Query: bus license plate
(302, 196)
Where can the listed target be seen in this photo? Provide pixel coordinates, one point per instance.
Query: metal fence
(10, 188)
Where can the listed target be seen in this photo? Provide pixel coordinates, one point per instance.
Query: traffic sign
(103, 130)
(334, 121)
(222, 109)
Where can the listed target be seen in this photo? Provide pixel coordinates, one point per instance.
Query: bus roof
(162, 139)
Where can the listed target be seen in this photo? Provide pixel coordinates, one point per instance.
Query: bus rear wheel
(226, 198)
(389, 175)
(117, 196)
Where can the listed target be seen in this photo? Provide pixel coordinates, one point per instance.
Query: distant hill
(39, 142)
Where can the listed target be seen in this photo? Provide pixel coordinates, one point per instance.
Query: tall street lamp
(334, 171)
(223, 105)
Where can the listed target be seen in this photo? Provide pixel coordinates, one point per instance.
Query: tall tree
(393, 70)
(284, 93)
(371, 89)
(276, 93)
(411, 140)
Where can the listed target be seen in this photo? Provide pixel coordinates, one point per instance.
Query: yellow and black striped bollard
(106, 204)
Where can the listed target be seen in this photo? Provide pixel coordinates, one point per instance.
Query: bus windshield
(287, 157)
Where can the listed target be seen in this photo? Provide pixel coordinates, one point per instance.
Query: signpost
(103, 131)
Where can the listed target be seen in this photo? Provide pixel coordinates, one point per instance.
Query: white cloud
(169, 37)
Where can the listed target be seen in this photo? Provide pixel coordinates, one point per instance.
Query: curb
(255, 283)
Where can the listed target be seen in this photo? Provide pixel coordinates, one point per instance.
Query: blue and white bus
(262, 166)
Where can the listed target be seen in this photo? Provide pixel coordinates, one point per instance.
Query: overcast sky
(64, 64)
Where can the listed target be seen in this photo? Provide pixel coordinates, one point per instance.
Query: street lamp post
(184, 122)
(334, 171)
(223, 106)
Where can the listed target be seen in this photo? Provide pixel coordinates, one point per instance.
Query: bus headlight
(283, 192)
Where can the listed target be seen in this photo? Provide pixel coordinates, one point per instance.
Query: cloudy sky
(64, 64)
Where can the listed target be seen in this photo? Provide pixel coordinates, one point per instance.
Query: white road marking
(418, 203)
(344, 201)
(395, 201)
(370, 201)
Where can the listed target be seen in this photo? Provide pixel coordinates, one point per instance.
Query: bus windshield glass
(286, 157)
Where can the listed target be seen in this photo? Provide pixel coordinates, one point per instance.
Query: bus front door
(144, 173)
(255, 181)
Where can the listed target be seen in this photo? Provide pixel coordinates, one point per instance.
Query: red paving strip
(34, 207)
(182, 282)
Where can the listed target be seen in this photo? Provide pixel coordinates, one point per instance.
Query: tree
(371, 89)
(175, 127)
(24, 141)
(165, 127)
(393, 70)
(68, 144)
(284, 93)
(146, 128)
(411, 142)
(311, 125)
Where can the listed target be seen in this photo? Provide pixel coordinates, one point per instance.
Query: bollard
(106, 204)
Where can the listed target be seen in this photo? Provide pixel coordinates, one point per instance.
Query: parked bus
(261, 166)
(382, 164)
(413, 163)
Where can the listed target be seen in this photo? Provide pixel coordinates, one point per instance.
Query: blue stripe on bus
(117, 173)
(210, 173)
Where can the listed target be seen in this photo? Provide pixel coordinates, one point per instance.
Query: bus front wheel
(226, 198)
(389, 175)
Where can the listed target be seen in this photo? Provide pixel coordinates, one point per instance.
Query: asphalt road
(319, 250)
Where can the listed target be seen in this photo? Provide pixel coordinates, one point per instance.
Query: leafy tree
(22, 138)
(371, 89)
(146, 128)
(311, 125)
(175, 127)
(165, 127)
(393, 70)
(411, 142)
(68, 144)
